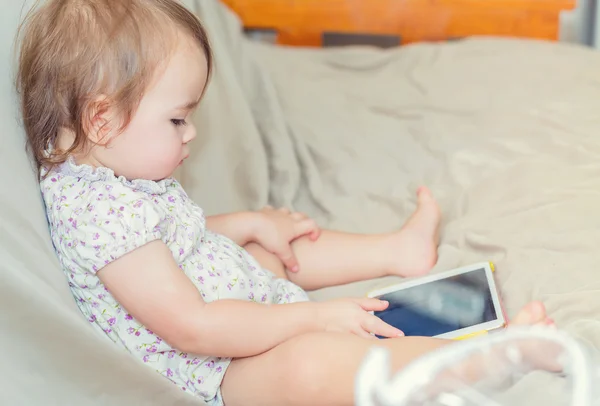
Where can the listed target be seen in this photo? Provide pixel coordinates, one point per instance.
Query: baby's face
(155, 142)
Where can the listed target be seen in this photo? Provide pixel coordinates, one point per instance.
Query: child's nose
(190, 134)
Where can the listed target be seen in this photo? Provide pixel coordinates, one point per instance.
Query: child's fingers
(304, 227)
(287, 257)
(364, 334)
(298, 216)
(379, 327)
(371, 304)
(314, 236)
(312, 228)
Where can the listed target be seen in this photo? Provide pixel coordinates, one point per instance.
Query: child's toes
(532, 313)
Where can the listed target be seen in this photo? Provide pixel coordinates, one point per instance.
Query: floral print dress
(96, 217)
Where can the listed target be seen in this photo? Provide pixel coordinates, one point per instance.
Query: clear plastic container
(518, 366)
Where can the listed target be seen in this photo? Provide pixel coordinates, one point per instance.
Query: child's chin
(158, 179)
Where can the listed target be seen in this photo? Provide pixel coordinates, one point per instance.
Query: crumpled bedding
(504, 132)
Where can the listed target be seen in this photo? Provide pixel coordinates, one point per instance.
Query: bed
(503, 130)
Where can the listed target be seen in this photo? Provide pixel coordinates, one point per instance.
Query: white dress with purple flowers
(96, 217)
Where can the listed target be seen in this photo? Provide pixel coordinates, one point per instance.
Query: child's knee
(306, 361)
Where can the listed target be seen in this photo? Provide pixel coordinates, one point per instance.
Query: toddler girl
(216, 305)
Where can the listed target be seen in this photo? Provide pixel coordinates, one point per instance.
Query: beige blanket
(504, 133)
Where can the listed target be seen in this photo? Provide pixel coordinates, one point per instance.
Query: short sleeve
(105, 222)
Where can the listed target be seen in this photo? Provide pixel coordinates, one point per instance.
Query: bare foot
(540, 355)
(413, 249)
(533, 313)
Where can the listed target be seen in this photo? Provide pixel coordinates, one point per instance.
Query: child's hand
(278, 228)
(352, 316)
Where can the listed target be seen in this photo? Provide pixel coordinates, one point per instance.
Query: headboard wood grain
(303, 22)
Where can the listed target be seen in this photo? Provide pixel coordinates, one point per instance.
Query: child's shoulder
(97, 193)
(105, 209)
(74, 189)
(94, 220)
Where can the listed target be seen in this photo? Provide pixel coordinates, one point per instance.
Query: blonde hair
(76, 51)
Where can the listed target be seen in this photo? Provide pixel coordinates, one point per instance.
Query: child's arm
(151, 287)
(239, 227)
(272, 229)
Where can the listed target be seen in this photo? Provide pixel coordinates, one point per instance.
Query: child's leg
(320, 368)
(312, 369)
(339, 258)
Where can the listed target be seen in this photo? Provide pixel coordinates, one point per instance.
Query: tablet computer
(455, 304)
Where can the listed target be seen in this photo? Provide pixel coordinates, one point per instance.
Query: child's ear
(99, 121)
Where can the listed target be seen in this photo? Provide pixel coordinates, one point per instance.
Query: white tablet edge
(477, 328)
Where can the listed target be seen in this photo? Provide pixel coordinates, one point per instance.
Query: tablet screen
(440, 306)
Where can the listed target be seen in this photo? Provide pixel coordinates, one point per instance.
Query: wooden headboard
(308, 22)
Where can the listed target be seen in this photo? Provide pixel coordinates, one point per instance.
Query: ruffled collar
(87, 172)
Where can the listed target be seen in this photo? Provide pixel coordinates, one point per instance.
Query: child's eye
(178, 122)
